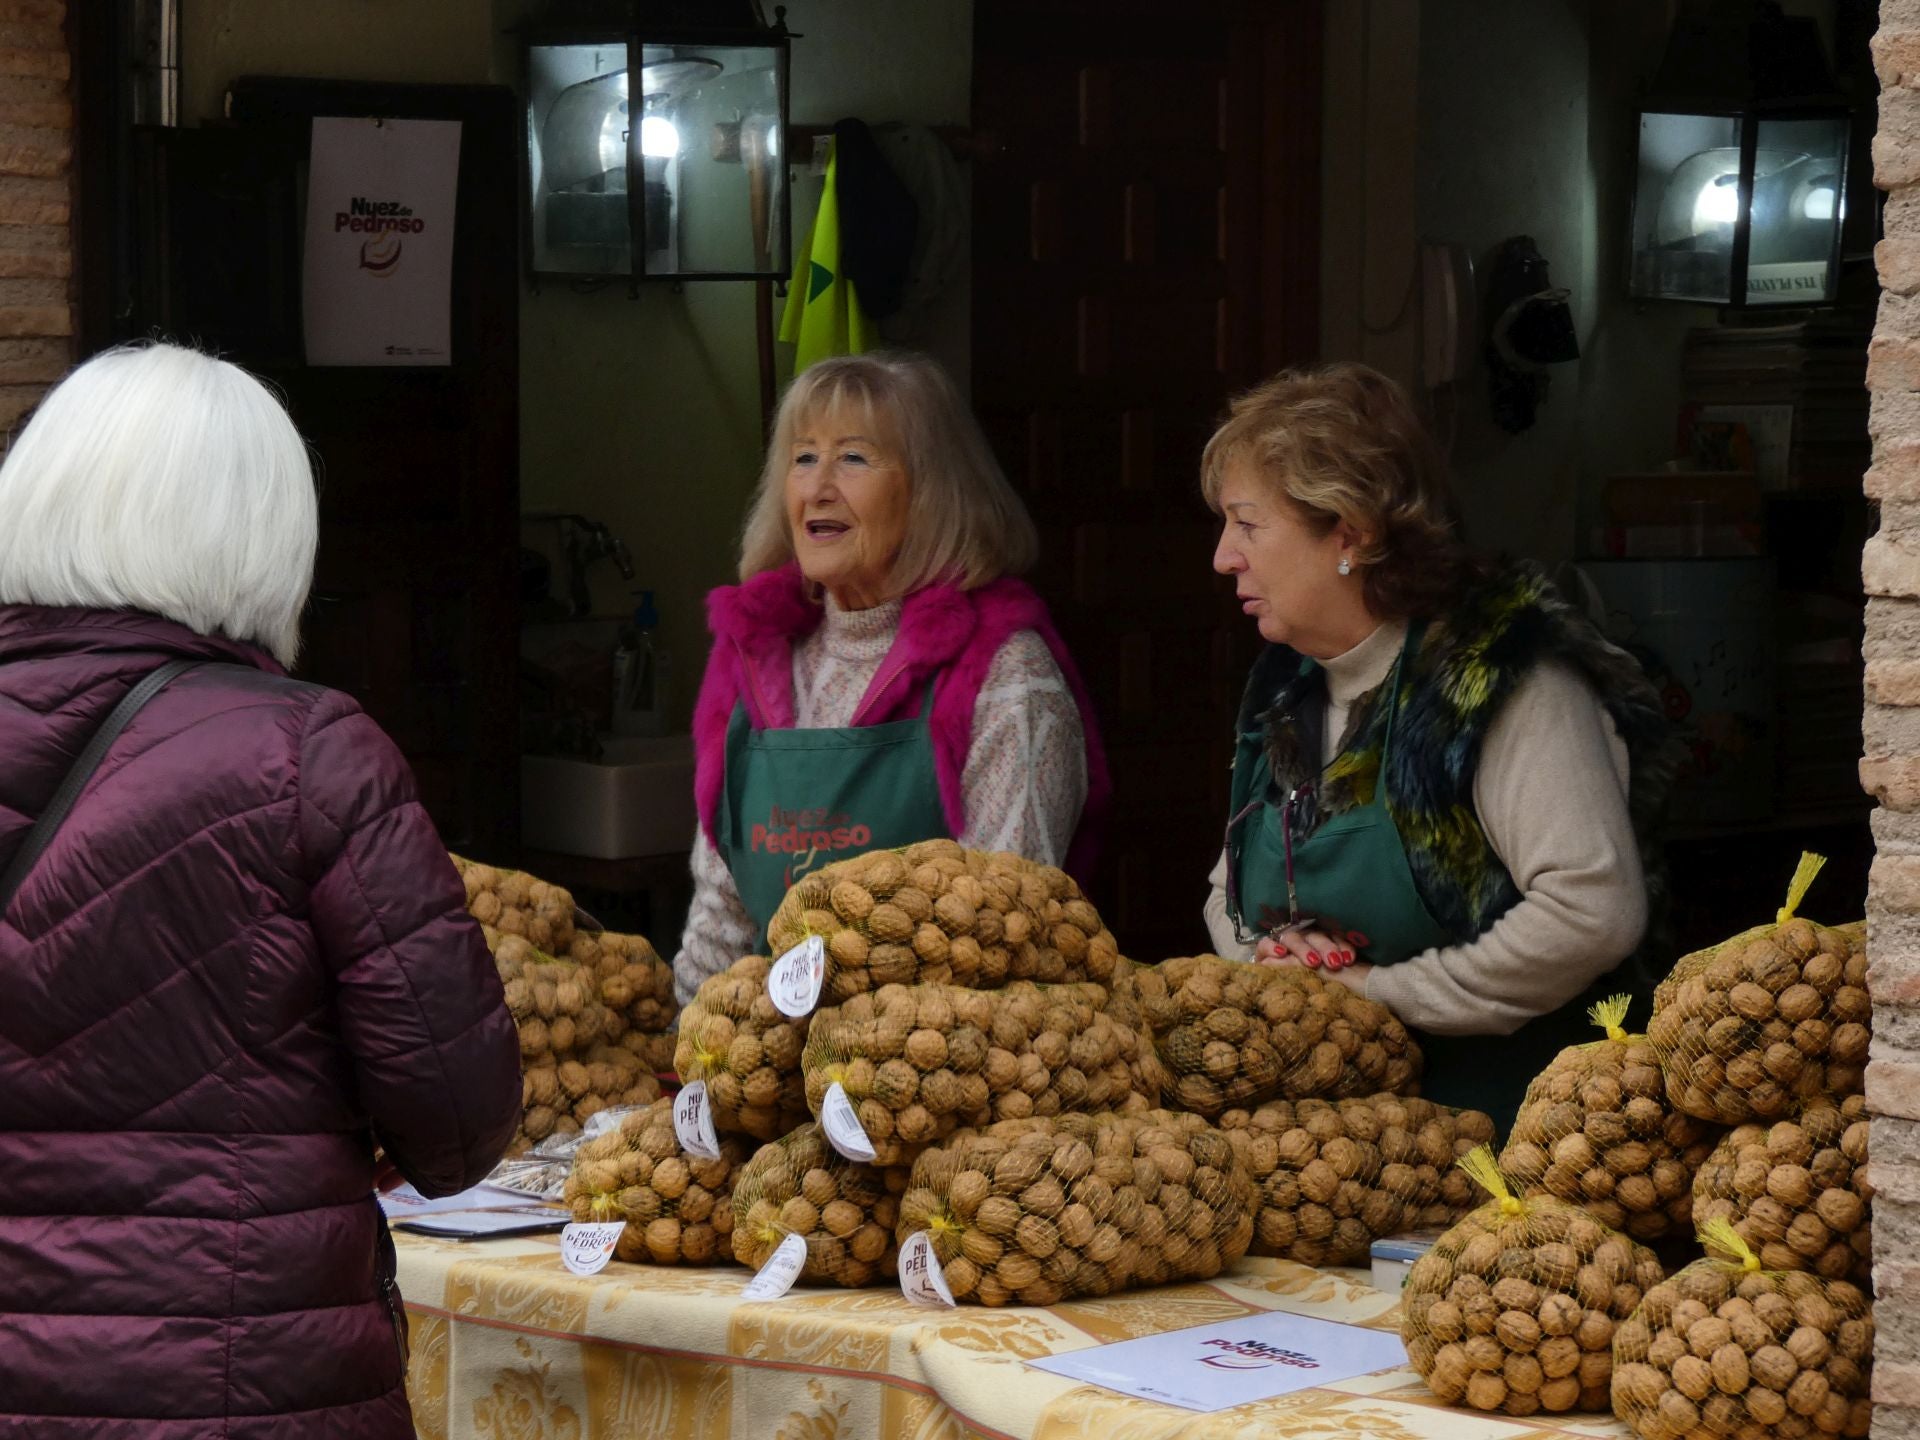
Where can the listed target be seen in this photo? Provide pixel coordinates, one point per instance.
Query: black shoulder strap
(51, 819)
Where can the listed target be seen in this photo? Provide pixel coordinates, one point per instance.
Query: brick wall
(36, 239)
(1891, 767)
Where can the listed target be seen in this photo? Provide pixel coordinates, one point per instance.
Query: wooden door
(1145, 243)
(415, 607)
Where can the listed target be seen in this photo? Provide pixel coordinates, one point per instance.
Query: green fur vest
(1469, 661)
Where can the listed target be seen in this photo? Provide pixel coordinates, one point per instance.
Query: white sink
(635, 800)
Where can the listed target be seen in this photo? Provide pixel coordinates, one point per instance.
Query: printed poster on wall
(378, 271)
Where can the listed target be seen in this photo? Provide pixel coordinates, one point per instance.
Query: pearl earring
(1346, 566)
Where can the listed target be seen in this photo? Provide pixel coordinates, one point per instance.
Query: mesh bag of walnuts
(845, 1211)
(1234, 1034)
(563, 1094)
(634, 981)
(1032, 1212)
(654, 1052)
(554, 1002)
(677, 1207)
(628, 975)
(568, 1070)
(746, 1051)
(939, 914)
(1333, 1176)
(918, 1061)
(1750, 1028)
(1514, 1308)
(1123, 1007)
(1728, 1347)
(1797, 1191)
(515, 903)
(1596, 1128)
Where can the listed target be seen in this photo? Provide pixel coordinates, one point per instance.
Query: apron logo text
(804, 832)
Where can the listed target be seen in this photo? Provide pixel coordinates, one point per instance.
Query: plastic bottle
(640, 674)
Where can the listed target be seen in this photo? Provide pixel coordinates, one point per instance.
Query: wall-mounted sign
(378, 268)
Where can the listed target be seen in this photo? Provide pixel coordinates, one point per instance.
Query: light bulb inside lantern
(1718, 203)
(658, 138)
(1818, 203)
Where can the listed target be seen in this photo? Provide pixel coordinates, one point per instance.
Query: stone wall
(1891, 767)
(36, 237)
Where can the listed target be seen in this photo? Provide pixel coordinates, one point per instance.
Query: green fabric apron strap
(1351, 875)
(796, 800)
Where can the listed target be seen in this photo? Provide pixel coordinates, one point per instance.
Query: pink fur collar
(943, 629)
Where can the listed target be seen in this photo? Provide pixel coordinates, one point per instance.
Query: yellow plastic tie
(603, 1205)
(1720, 1235)
(943, 1223)
(1609, 1015)
(1484, 1171)
(1803, 874)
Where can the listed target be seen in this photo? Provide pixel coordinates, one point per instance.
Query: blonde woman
(1445, 779)
(878, 676)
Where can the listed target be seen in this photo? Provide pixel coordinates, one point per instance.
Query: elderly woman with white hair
(879, 676)
(236, 954)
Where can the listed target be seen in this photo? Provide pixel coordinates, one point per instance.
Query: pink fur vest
(956, 632)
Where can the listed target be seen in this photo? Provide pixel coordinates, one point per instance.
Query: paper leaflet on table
(404, 1200)
(1214, 1367)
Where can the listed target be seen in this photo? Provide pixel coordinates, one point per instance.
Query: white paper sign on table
(1214, 1367)
(405, 1200)
(587, 1245)
(844, 1130)
(794, 982)
(693, 1122)
(921, 1278)
(776, 1277)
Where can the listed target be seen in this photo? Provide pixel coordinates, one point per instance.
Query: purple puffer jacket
(244, 958)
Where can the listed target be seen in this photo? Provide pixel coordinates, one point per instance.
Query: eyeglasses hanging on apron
(1295, 921)
(1346, 875)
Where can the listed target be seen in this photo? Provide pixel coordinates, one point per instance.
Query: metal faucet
(585, 541)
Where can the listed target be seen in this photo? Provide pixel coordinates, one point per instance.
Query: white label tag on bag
(693, 1122)
(587, 1245)
(795, 981)
(776, 1277)
(844, 1130)
(921, 1278)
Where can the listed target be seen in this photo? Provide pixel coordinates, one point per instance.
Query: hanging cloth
(824, 316)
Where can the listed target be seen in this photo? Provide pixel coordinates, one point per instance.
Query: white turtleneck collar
(1366, 665)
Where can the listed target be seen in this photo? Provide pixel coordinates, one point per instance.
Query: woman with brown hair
(1445, 779)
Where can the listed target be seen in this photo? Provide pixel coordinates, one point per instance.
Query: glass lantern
(1740, 208)
(658, 158)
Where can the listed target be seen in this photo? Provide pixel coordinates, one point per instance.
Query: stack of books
(1816, 365)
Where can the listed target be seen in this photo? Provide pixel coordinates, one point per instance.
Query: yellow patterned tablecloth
(508, 1346)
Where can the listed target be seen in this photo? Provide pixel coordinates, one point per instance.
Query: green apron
(796, 800)
(1352, 874)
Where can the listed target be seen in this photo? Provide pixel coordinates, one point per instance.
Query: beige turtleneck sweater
(1024, 782)
(1551, 794)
